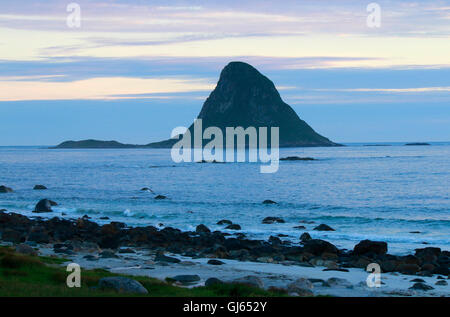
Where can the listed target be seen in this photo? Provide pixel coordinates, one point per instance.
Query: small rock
(122, 285)
(417, 280)
(300, 227)
(305, 237)
(300, 284)
(317, 247)
(104, 218)
(215, 262)
(269, 202)
(43, 205)
(202, 229)
(421, 287)
(39, 187)
(4, 189)
(297, 158)
(441, 283)
(213, 281)
(159, 197)
(270, 220)
(186, 279)
(323, 227)
(367, 246)
(233, 227)
(250, 280)
(340, 282)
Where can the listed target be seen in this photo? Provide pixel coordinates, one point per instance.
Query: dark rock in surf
(202, 229)
(160, 197)
(269, 202)
(297, 158)
(305, 237)
(323, 227)
(4, 189)
(39, 187)
(270, 220)
(43, 205)
(317, 247)
(367, 246)
(417, 144)
(421, 287)
(233, 226)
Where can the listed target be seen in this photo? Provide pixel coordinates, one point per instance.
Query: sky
(133, 70)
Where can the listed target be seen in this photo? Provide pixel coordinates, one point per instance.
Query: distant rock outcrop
(94, 144)
(243, 98)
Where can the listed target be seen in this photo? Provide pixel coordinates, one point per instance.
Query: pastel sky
(136, 69)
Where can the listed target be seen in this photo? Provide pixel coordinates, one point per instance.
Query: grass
(25, 276)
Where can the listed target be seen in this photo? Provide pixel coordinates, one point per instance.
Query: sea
(384, 192)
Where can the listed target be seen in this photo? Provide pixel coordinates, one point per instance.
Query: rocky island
(244, 98)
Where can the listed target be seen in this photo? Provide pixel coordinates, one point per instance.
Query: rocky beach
(201, 257)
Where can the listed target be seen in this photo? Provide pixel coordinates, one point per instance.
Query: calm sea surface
(364, 192)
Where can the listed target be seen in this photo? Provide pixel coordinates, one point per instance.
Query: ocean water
(364, 192)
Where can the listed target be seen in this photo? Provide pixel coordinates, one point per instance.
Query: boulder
(4, 189)
(270, 220)
(339, 282)
(159, 197)
(122, 285)
(367, 246)
(427, 251)
(297, 158)
(39, 187)
(441, 283)
(213, 281)
(421, 287)
(233, 226)
(317, 247)
(44, 205)
(250, 280)
(186, 279)
(305, 237)
(202, 229)
(300, 285)
(323, 227)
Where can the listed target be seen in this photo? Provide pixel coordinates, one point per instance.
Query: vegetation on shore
(23, 275)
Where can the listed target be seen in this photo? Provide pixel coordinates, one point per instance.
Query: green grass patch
(22, 275)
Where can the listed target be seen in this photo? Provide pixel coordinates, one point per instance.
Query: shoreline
(148, 251)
